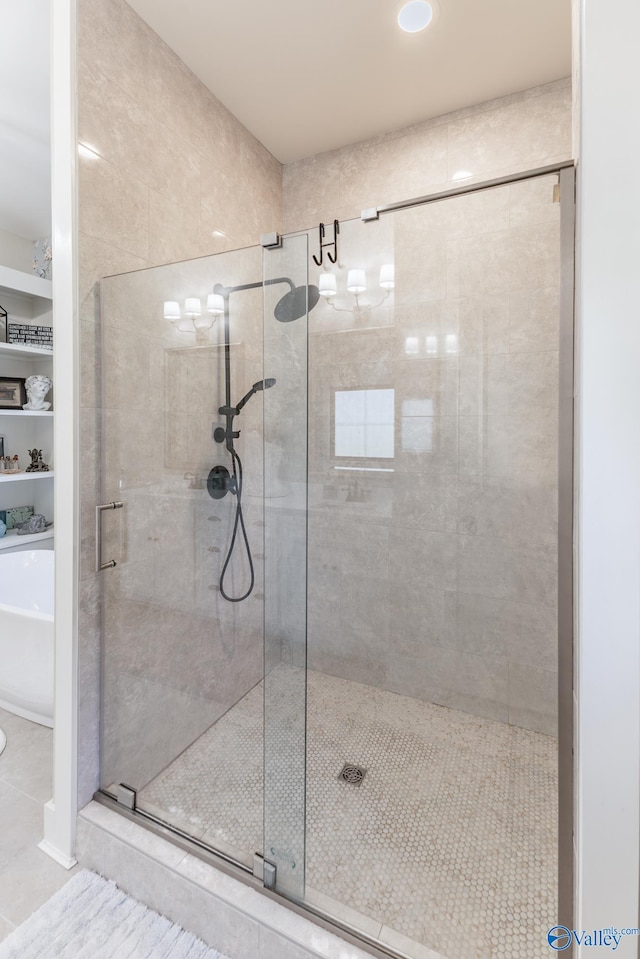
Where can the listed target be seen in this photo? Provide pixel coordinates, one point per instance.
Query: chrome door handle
(99, 511)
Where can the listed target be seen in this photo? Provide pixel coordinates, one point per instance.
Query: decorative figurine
(37, 463)
(37, 387)
(35, 524)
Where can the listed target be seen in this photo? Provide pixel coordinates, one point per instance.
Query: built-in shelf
(11, 538)
(25, 476)
(18, 282)
(22, 350)
(26, 412)
(28, 300)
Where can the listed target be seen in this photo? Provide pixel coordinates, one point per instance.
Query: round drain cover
(352, 774)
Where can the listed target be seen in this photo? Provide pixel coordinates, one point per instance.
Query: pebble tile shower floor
(450, 840)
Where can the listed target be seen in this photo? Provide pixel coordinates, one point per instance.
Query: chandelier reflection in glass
(357, 285)
(193, 319)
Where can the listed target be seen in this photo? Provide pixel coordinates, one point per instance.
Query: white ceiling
(306, 77)
(25, 160)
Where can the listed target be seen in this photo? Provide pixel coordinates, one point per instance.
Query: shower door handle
(99, 511)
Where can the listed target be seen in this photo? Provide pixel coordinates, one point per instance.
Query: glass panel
(432, 578)
(390, 512)
(182, 704)
(285, 445)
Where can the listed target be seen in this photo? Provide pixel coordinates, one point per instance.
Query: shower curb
(225, 913)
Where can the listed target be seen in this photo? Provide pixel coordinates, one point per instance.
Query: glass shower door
(432, 577)
(286, 304)
(181, 665)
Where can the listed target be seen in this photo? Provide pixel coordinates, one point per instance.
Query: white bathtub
(26, 634)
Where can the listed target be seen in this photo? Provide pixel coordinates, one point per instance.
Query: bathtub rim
(29, 714)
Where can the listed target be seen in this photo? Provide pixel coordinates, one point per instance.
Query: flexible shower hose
(238, 522)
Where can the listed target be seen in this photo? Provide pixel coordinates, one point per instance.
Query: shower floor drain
(352, 774)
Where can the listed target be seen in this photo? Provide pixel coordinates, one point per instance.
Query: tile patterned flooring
(448, 845)
(28, 877)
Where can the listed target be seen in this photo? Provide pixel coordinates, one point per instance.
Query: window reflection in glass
(364, 423)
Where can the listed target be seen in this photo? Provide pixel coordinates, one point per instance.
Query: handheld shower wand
(232, 483)
(227, 434)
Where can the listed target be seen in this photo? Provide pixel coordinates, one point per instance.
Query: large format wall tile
(114, 207)
(515, 133)
(162, 141)
(118, 43)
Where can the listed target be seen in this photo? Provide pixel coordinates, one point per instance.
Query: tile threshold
(234, 918)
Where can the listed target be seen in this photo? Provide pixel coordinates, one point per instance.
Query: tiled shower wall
(166, 165)
(497, 138)
(432, 571)
(439, 580)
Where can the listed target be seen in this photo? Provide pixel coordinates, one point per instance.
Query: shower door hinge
(126, 796)
(270, 241)
(264, 871)
(370, 214)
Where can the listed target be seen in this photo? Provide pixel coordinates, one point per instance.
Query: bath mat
(90, 918)
(3, 740)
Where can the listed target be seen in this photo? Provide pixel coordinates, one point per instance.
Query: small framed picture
(12, 393)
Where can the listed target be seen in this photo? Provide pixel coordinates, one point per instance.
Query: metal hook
(318, 262)
(336, 230)
(333, 243)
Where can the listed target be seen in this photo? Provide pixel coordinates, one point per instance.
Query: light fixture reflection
(356, 285)
(327, 284)
(199, 322)
(215, 304)
(356, 281)
(387, 276)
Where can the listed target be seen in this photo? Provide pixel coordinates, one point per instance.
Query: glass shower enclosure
(364, 717)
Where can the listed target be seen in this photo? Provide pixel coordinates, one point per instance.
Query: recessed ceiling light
(218, 234)
(415, 16)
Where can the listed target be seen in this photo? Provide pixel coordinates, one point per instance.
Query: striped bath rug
(90, 918)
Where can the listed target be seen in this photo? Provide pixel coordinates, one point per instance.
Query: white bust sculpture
(37, 387)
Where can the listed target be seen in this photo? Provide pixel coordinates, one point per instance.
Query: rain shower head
(296, 303)
(292, 306)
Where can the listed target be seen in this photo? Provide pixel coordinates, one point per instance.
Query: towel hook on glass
(323, 245)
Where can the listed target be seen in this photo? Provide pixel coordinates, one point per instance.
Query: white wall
(16, 252)
(608, 667)
(60, 812)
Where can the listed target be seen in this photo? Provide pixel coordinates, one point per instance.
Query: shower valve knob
(219, 482)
